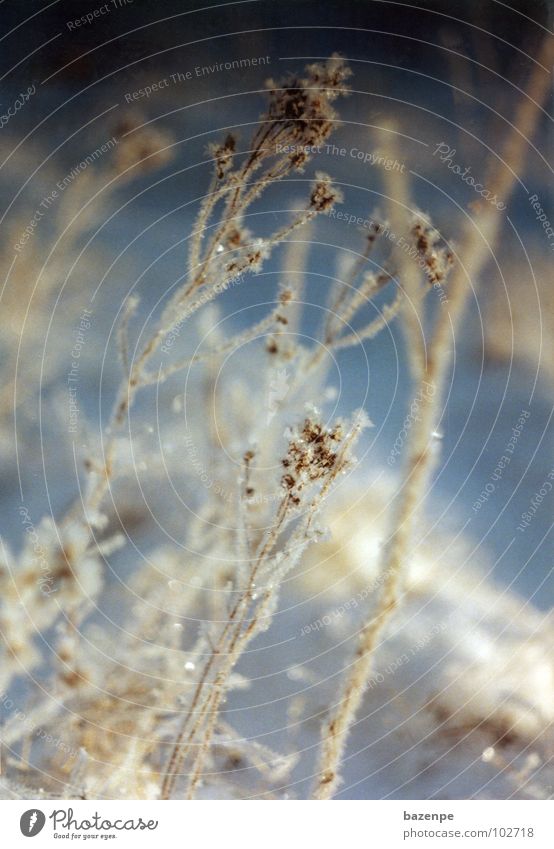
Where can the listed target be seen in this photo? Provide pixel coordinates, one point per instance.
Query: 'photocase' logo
(32, 822)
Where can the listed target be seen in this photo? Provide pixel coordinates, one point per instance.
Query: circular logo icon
(32, 822)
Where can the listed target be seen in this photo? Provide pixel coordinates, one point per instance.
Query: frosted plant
(429, 368)
(62, 562)
(138, 709)
(36, 275)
